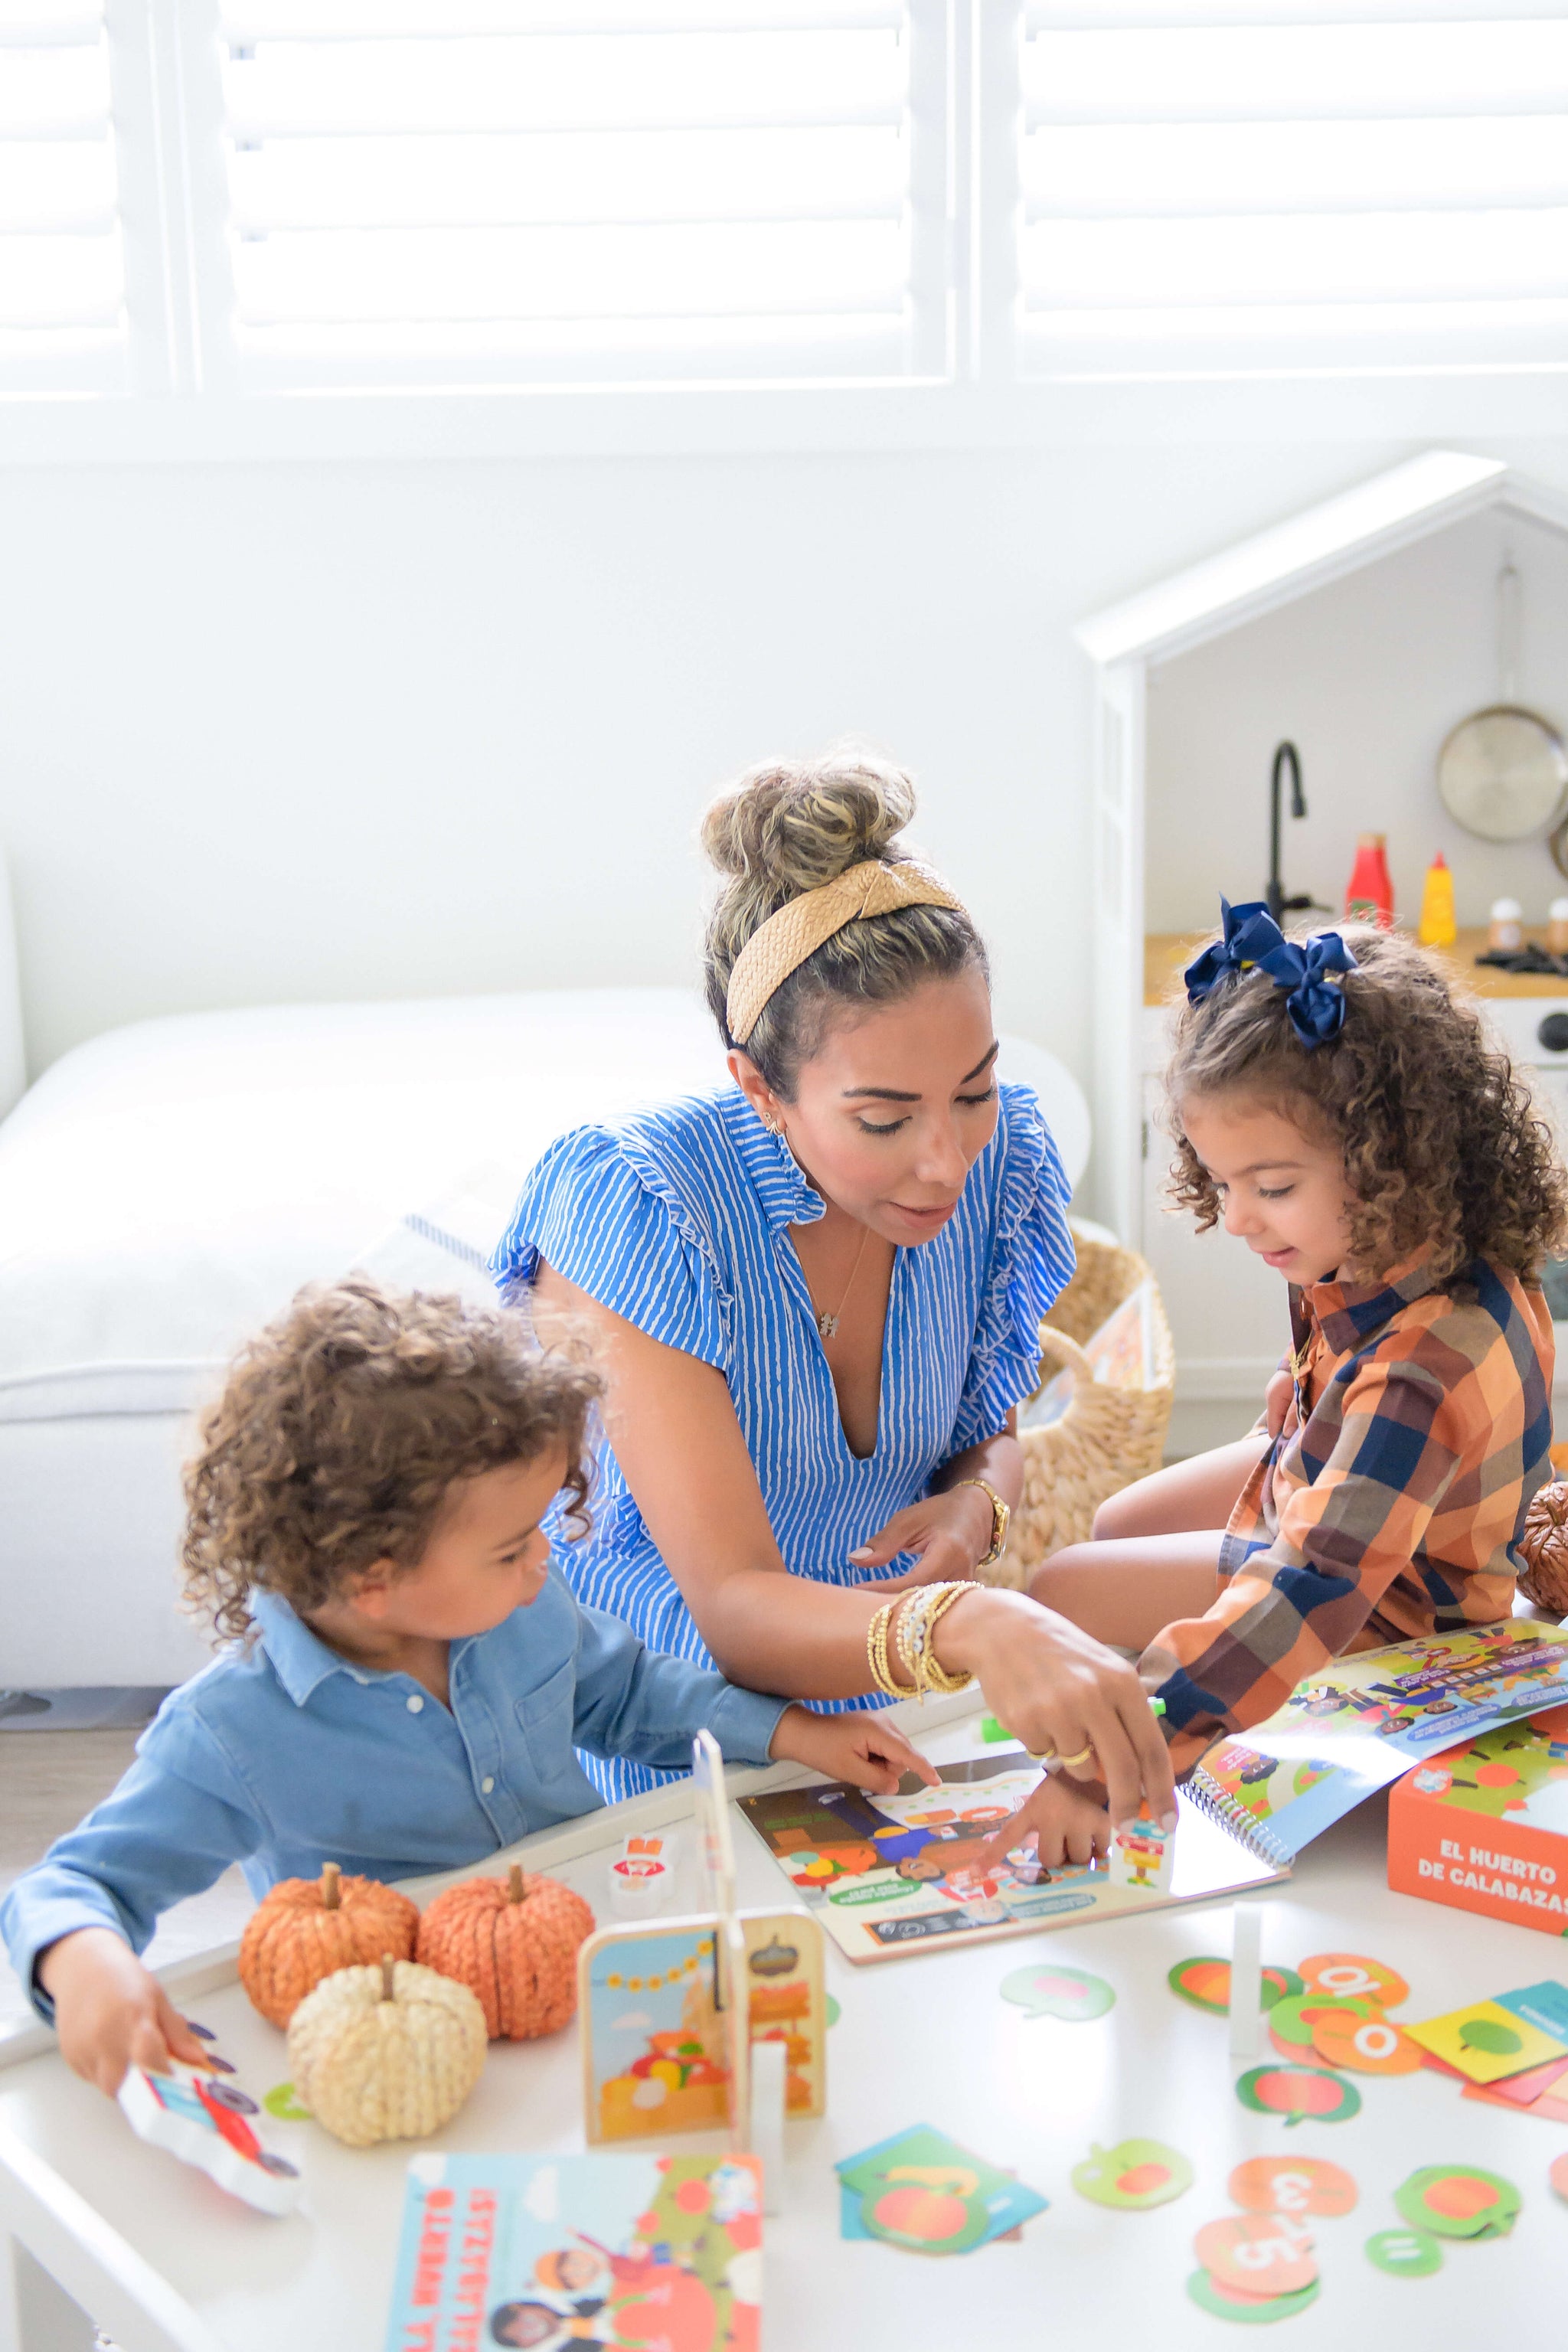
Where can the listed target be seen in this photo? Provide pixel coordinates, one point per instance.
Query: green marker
(992, 1731)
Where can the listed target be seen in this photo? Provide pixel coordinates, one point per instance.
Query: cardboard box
(1484, 1826)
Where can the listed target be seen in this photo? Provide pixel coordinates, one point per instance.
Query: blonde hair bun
(789, 826)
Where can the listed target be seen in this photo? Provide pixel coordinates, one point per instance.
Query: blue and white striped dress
(678, 1219)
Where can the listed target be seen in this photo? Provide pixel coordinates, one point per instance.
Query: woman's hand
(949, 1534)
(111, 2012)
(1055, 1687)
(861, 1749)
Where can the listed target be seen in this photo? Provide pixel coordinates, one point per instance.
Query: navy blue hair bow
(1252, 938)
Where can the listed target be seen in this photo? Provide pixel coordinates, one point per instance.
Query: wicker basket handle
(1069, 1358)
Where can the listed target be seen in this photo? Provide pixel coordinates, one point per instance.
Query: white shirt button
(485, 1786)
(414, 1704)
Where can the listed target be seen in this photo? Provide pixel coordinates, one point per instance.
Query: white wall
(1367, 676)
(282, 733)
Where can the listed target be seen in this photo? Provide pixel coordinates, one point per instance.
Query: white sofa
(167, 1187)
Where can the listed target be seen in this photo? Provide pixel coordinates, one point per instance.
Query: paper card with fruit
(923, 2192)
(907, 1871)
(658, 2052)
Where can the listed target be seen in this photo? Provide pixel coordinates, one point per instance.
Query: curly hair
(340, 1433)
(1443, 1145)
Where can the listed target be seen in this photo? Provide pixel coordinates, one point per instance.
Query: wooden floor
(48, 1779)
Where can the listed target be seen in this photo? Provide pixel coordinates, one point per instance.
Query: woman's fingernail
(864, 1552)
(1168, 1822)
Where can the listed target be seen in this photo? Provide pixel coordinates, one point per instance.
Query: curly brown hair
(341, 1430)
(1443, 1144)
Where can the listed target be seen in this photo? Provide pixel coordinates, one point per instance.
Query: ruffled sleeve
(602, 1210)
(1030, 1263)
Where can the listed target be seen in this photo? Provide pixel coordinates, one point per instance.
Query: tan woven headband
(783, 943)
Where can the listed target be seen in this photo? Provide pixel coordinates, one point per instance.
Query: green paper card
(929, 2194)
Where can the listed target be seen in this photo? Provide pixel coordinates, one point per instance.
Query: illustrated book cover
(579, 2250)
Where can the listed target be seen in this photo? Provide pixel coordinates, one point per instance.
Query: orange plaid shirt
(1389, 1505)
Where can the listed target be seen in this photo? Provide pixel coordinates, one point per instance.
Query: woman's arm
(671, 1422)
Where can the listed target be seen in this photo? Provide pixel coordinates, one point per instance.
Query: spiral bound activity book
(905, 1872)
(1365, 1721)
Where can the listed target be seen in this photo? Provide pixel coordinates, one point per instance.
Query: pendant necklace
(828, 1325)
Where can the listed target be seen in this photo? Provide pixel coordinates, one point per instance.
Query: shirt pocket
(545, 1719)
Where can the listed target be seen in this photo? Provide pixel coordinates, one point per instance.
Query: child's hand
(863, 1749)
(109, 2012)
(1069, 1824)
(1277, 1398)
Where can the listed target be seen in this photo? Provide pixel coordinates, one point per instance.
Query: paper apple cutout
(1294, 2092)
(1133, 2175)
(1458, 2201)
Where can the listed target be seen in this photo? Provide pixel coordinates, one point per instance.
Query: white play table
(165, 2262)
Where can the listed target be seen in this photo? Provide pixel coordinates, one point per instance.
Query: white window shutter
(1260, 186)
(485, 192)
(63, 327)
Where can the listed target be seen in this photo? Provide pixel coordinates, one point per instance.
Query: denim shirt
(283, 1756)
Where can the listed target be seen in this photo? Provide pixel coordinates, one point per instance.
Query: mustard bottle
(1436, 928)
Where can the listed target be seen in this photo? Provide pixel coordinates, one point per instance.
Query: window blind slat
(522, 273)
(246, 21)
(486, 179)
(1148, 168)
(1279, 258)
(338, 89)
(1280, 72)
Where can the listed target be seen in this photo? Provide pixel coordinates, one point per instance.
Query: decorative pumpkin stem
(515, 1891)
(330, 1873)
(387, 1965)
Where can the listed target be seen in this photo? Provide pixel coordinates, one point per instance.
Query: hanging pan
(1502, 772)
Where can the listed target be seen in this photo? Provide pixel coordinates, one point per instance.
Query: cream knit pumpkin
(386, 2052)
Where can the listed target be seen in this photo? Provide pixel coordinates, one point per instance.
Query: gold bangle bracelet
(877, 1653)
(922, 1609)
(933, 1676)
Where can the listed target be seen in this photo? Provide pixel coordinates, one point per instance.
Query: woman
(816, 1296)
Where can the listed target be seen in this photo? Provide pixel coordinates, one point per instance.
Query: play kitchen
(1359, 712)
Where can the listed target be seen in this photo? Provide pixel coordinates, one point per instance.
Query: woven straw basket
(1109, 1434)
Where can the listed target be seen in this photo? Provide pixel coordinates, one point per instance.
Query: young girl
(408, 1674)
(1347, 1118)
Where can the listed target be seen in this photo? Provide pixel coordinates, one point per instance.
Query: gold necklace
(828, 1325)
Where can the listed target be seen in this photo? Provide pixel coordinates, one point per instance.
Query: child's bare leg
(1124, 1592)
(1187, 1497)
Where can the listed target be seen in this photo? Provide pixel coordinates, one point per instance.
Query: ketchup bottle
(1369, 896)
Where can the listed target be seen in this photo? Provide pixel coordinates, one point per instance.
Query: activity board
(648, 2249)
(659, 2032)
(206, 2123)
(1366, 1720)
(908, 1872)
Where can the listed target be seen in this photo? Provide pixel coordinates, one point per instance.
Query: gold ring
(1082, 1757)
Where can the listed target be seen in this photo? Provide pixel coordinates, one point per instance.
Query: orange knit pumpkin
(307, 1929)
(513, 1941)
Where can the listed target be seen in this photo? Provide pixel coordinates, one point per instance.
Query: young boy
(408, 1677)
